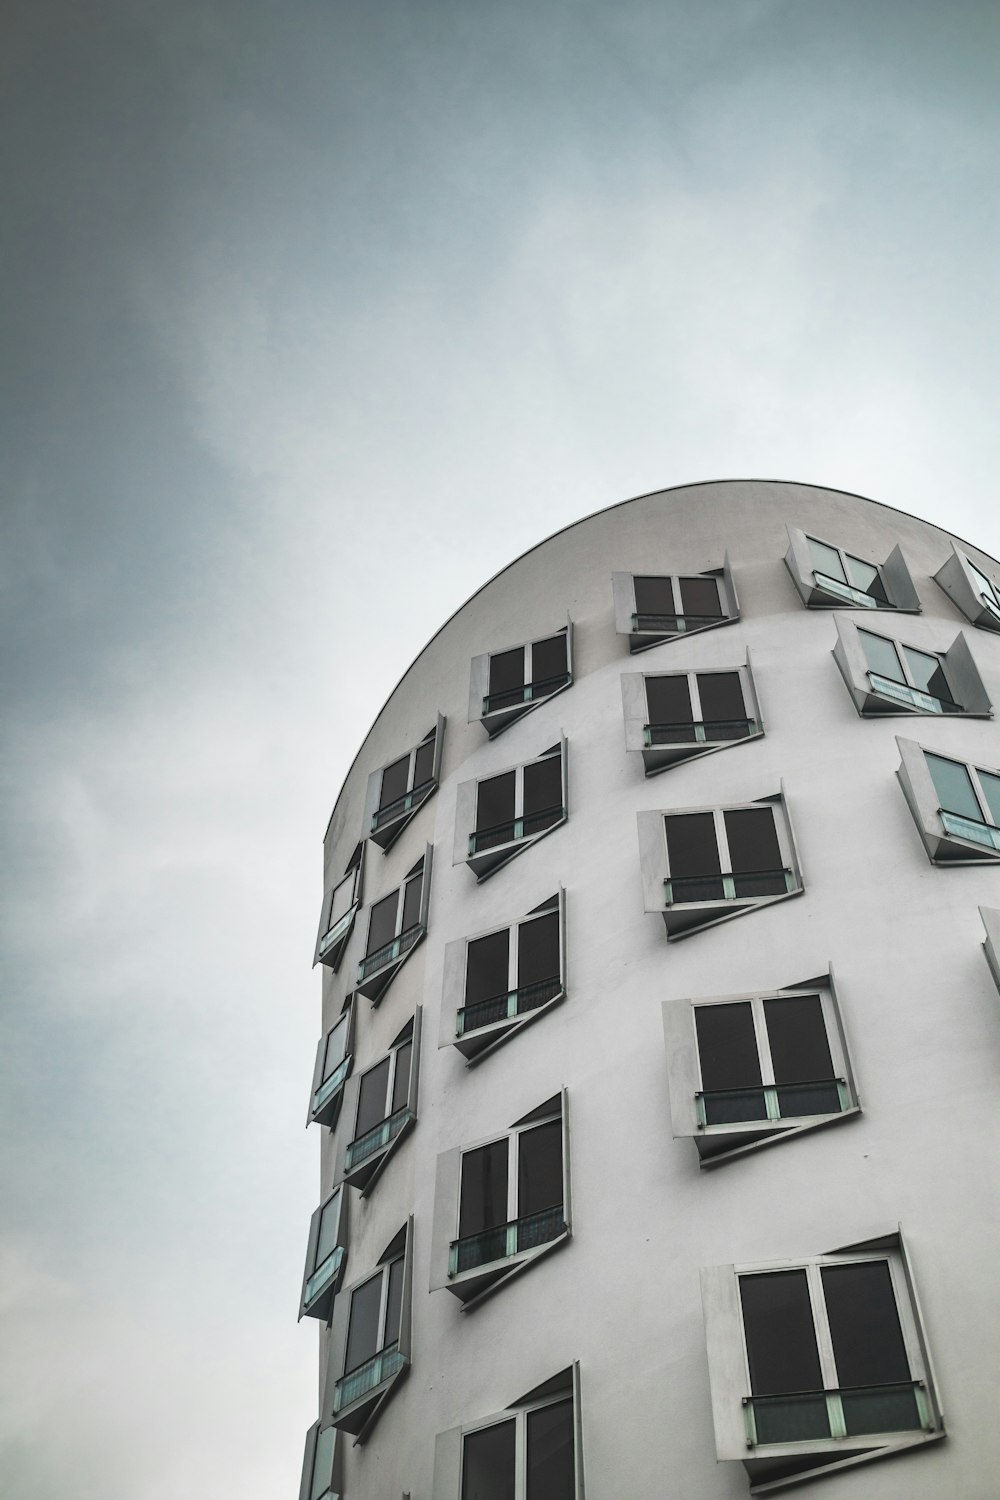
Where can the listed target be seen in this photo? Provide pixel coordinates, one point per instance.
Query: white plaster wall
(919, 1004)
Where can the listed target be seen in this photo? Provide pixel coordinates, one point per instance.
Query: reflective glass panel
(953, 785)
(401, 1080)
(362, 1330)
(423, 769)
(668, 702)
(796, 1030)
(550, 1453)
(864, 1324)
(727, 1046)
(411, 903)
(487, 967)
(991, 791)
(781, 1338)
(382, 923)
(721, 695)
(986, 586)
(343, 899)
(394, 779)
(653, 596)
(881, 656)
(323, 1463)
(483, 1194)
(865, 576)
(753, 840)
(336, 1046)
(506, 671)
(543, 785)
(538, 949)
(488, 1463)
(692, 847)
(393, 1302)
(700, 598)
(826, 559)
(495, 801)
(371, 1097)
(548, 658)
(926, 672)
(329, 1220)
(539, 1169)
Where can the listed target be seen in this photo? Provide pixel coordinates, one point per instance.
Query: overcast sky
(315, 314)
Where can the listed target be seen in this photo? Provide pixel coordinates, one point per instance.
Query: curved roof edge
(696, 484)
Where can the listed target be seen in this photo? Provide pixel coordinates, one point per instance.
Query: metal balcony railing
(698, 731)
(336, 932)
(901, 692)
(324, 1274)
(848, 1412)
(845, 591)
(330, 1085)
(509, 833)
(401, 805)
(507, 1007)
(368, 1377)
(379, 1136)
(683, 890)
(772, 1101)
(664, 624)
(389, 952)
(506, 1240)
(526, 692)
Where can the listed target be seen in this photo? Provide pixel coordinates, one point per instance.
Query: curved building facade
(660, 1062)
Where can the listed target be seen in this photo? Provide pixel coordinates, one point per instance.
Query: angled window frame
(820, 590)
(477, 1042)
(449, 1446)
(495, 719)
(719, 1143)
(384, 825)
(321, 1282)
(341, 904)
(361, 1160)
(970, 589)
(328, 1083)
(683, 918)
(471, 1284)
(377, 970)
(991, 944)
(486, 862)
(640, 736)
(353, 1399)
(876, 696)
(629, 623)
(776, 1465)
(322, 1464)
(948, 837)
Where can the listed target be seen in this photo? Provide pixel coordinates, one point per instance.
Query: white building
(660, 1074)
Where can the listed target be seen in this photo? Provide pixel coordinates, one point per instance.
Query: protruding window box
(497, 817)
(955, 805)
(505, 685)
(970, 590)
(830, 577)
(671, 717)
(334, 1060)
(340, 907)
(322, 1465)
(370, 1340)
(325, 1256)
(533, 1449)
(886, 676)
(701, 866)
(396, 792)
(497, 1248)
(396, 924)
(653, 608)
(380, 1106)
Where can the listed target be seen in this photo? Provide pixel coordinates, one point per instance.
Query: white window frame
(333, 936)
(635, 706)
(324, 1111)
(495, 721)
(386, 832)
(870, 700)
(362, 1172)
(963, 580)
(358, 1415)
(374, 978)
(487, 861)
(449, 1448)
(626, 615)
(819, 590)
(946, 836)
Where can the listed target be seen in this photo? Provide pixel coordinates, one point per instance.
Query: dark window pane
(864, 1324)
(506, 671)
(668, 702)
(371, 1097)
(653, 596)
(401, 1081)
(343, 899)
(393, 1302)
(548, 659)
(727, 1046)
(721, 695)
(550, 1453)
(488, 1463)
(327, 1238)
(394, 779)
(953, 785)
(691, 844)
(486, 967)
(362, 1331)
(539, 1169)
(495, 801)
(336, 1046)
(781, 1339)
(753, 840)
(796, 1031)
(411, 903)
(881, 656)
(543, 785)
(483, 1197)
(538, 949)
(382, 924)
(700, 597)
(423, 769)
(323, 1463)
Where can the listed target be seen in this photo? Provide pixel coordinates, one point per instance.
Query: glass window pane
(668, 701)
(539, 1169)
(550, 1453)
(495, 801)
(826, 559)
(487, 971)
(796, 1031)
(394, 779)
(692, 847)
(323, 1463)
(328, 1221)
(548, 658)
(401, 1080)
(483, 1193)
(382, 923)
(781, 1339)
(864, 1324)
(865, 576)
(538, 949)
(543, 785)
(411, 903)
(423, 769)
(991, 791)
(700, 598)
(953, 785)
(506, 671)
(653, 596)
(727, 1046)
(881, 656)
(362, 1329)
(336, 1046)
(393, 1302)
(721, 696)
(488, 1463)
(753, 840)
(985, 585)
(372, 1092)
(343, 899)
(922, 667)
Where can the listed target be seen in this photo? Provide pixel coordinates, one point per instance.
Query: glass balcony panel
(912, 697)
(529, 692)
(507, 1007)
(506, 1240)
(683, 889)
(762, 882)
(324, 1274)
(389, 952)
(844, 591)
(820, 1098)
(732, 1106)
(975, 832)
(789, 1419)
(330, 1085)
(401, 805)
(373, 1140)
(367, 1377)
(881, 1409)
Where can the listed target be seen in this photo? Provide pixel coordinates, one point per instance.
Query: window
(396, 924)
(956, 806)
(325, 1256)
(991, 946)
(819, 1363)
(499, 816)
(334, 1058)
(500, 981)
(505, 685)
(322, 1465)
(397, 791)
(971, 590)
(701, 866)
(830, 577)
(501, 1204)
(380, 1106)
(340, 907)
(893, 677)
(370, 1339)
(674, 716)
(650, 608)
(531, 1451)
(747, 1070)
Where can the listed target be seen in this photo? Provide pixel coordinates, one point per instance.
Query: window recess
(831, 577)
(991, 945)
(746, 1071)
(322, 1465)
(955, 805)
(886, 676)
(497, 817)
(396, 924)
(340, 907)
(970, 589)
(531, 1451)
(506, 685)
(334, 1060)
(650, 608)
(501, 1204)
(701, 866)
(370, 1349)
(380, 1109)
(818, 1364)
(674, 716)
(498, 982)
(325, 1256)
(396, 792)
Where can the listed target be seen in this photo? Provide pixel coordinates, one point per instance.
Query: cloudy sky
(315, 314)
